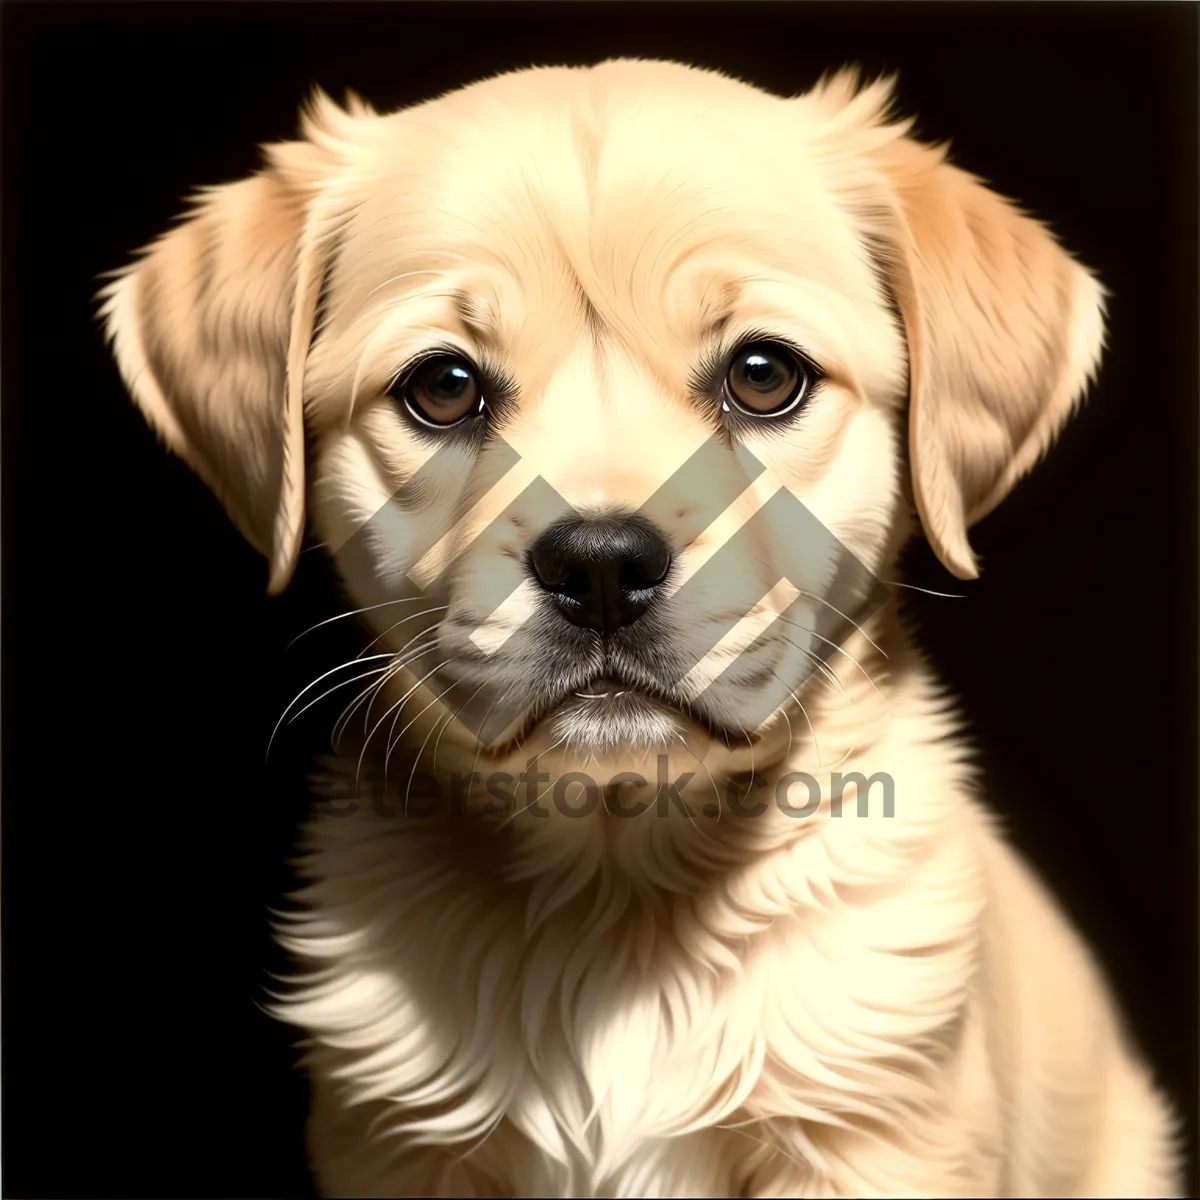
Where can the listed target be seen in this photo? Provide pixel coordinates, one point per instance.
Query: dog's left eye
(441, 391)
(767, 379)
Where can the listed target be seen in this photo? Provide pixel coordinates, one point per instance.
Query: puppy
(613, 393)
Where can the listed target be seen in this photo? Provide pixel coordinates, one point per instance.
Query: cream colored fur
(710, 1005)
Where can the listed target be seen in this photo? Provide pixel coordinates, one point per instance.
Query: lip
(604, 687)
(611, 689)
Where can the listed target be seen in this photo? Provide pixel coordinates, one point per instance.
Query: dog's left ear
(1004, 330)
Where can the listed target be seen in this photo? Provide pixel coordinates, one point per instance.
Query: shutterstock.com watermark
(535, 793)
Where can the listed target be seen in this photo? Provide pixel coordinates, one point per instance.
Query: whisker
(687, 811)
(845, 758)
(822, 600)
(315, 682)
(483, 726)
(417, 761)
(414, 655)
(839, 649)
(912, 587)
(504, 695)
(753, 770)
(393, 742)
(343, 722)
(369, 694)
(804, 712)
(353, 613)
(536, 798)
(821, 666)
(457, 712)
(550, 785)
(404, 621)
(337, 686)
(343, 719)
(397, 278)
(479, 1144)
(707, 772)
(415, 686)
(787, 754)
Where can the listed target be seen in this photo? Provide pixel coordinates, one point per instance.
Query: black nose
(603, 572)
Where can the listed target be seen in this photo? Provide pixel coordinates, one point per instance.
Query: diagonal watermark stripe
(731, 609)
(753, 626)
(507, 490)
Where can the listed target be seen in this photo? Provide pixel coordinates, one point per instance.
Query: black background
(144, 667)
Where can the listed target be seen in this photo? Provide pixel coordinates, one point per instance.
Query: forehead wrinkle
(574, 219)
(632, 271)
(593, 321)
(664, 343)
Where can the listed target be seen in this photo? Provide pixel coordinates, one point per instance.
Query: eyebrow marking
(716, 325)
(477, 316)
(712, 330)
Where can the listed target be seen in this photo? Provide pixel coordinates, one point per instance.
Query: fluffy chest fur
(580, 1032)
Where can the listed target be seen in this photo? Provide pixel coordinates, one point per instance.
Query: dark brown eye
(443, 391)
(767, 380)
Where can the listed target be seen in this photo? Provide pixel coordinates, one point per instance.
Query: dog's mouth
(610, 699)
(611, 709)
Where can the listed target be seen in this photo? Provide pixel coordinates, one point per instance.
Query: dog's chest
(609, 1081)
(609, 1067)
(594, 1048)
(570, 1061)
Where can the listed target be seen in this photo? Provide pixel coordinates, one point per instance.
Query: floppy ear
(211, 329)
(1004, 330)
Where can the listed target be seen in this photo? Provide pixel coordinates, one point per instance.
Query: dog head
(550, 360)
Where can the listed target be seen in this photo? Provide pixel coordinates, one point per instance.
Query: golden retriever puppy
(658, 868)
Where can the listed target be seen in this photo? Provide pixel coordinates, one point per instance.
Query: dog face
(539, 353)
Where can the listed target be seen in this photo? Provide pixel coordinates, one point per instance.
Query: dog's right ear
(211, 328)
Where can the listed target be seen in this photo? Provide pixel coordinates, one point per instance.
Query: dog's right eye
(766, 379)
(441, 391)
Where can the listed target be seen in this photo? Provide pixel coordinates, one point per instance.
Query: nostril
(574, 584)
(551, 568)
(645, 571)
